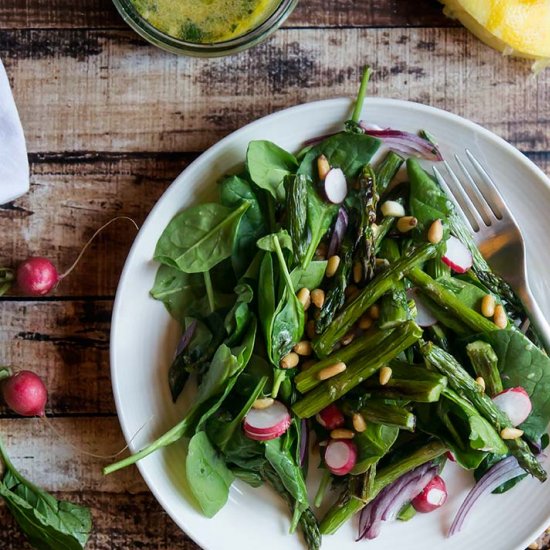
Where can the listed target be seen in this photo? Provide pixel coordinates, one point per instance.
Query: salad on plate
(336, 312)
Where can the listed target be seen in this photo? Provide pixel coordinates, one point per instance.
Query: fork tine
(464, 202)
(472, 190)
(488, 189)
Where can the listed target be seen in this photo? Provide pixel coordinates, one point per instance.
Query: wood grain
(33, 14)
(163, 103)
(121, 522)
(65, 342)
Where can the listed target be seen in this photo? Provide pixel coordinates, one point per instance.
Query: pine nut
(347, 339)
(323, 443)
(511, 433)
(499, 317)
(534, 546)
(375, 228)
(263, 403)
(308, 364)
(333, 370)
(290, 360)
(385, 375)
(374, 311)
(365, 322)
(435, 233)
(318, 297)
(406, 223)
(321, 251)
(304, 297)
(357, 272)
(332, 266)
(481, 382)
(488, 305)
(359, 424)
(392, 209)
(342, 433)
(381, 263)
(310, 329)
(323, 167)
(303, 348)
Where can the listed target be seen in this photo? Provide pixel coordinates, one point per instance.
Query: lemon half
(518, 27)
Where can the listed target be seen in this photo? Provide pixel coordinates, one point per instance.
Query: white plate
(144, 337)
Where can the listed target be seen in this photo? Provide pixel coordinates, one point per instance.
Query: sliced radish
(457, 256)
(515, 403)
(341, 456)
(336, 186)
(450, 456)
(331, 417)
(266, 424)
(424, 317)
(432, 497)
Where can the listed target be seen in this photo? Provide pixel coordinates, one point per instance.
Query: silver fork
(495, 232)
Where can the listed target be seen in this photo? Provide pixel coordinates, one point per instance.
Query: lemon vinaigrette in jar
(205, 27)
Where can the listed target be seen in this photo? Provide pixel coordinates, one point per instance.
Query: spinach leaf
(268, 165)
(311, 277)
(427, 201)
(233, 192)
(468, 293)
(521, 363)
(296, 215)
(200, 237)
(239, 315)
(290, 474)
(270, 242)
(244, 453)
(208, 477)
(177, 290)
(48, 523)
(266, 298)
(350, 152)
(373, 444)
(319, 220)
(287, 327)
(482, 436)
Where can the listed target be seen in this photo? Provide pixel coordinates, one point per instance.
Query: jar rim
(172, 44)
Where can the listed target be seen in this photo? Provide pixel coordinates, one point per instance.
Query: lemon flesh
(518, 27)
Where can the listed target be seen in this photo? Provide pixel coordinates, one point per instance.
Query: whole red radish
(25, 393)
(37, 276)
(432, 497)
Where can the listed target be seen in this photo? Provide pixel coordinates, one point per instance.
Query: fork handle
(536, 316)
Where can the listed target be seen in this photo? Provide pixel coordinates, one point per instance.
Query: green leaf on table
(207, 474)
(349, 152)
(521, 363)
(200, 237)
(268, 165)
(233, 192)
(48, 523)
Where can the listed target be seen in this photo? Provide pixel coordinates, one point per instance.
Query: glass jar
(217, 49)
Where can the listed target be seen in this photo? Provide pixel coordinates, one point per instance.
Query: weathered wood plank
(120, 522)
(108, 91)
(54, 14)
(67, 343)
(72, 197)
(53, 455)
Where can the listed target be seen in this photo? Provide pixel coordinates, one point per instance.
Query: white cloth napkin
(14, 164)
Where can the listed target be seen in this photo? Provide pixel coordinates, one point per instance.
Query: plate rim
(211, 152)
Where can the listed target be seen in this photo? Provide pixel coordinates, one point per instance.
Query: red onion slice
(500, 473)
(186, 336)
(404, 142)
(340, 227)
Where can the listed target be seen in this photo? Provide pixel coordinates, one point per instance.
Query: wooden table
(110, 121)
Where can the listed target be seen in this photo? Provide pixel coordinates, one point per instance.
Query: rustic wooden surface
(110, 121)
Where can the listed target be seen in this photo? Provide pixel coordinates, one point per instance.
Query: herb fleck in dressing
(205, 21)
